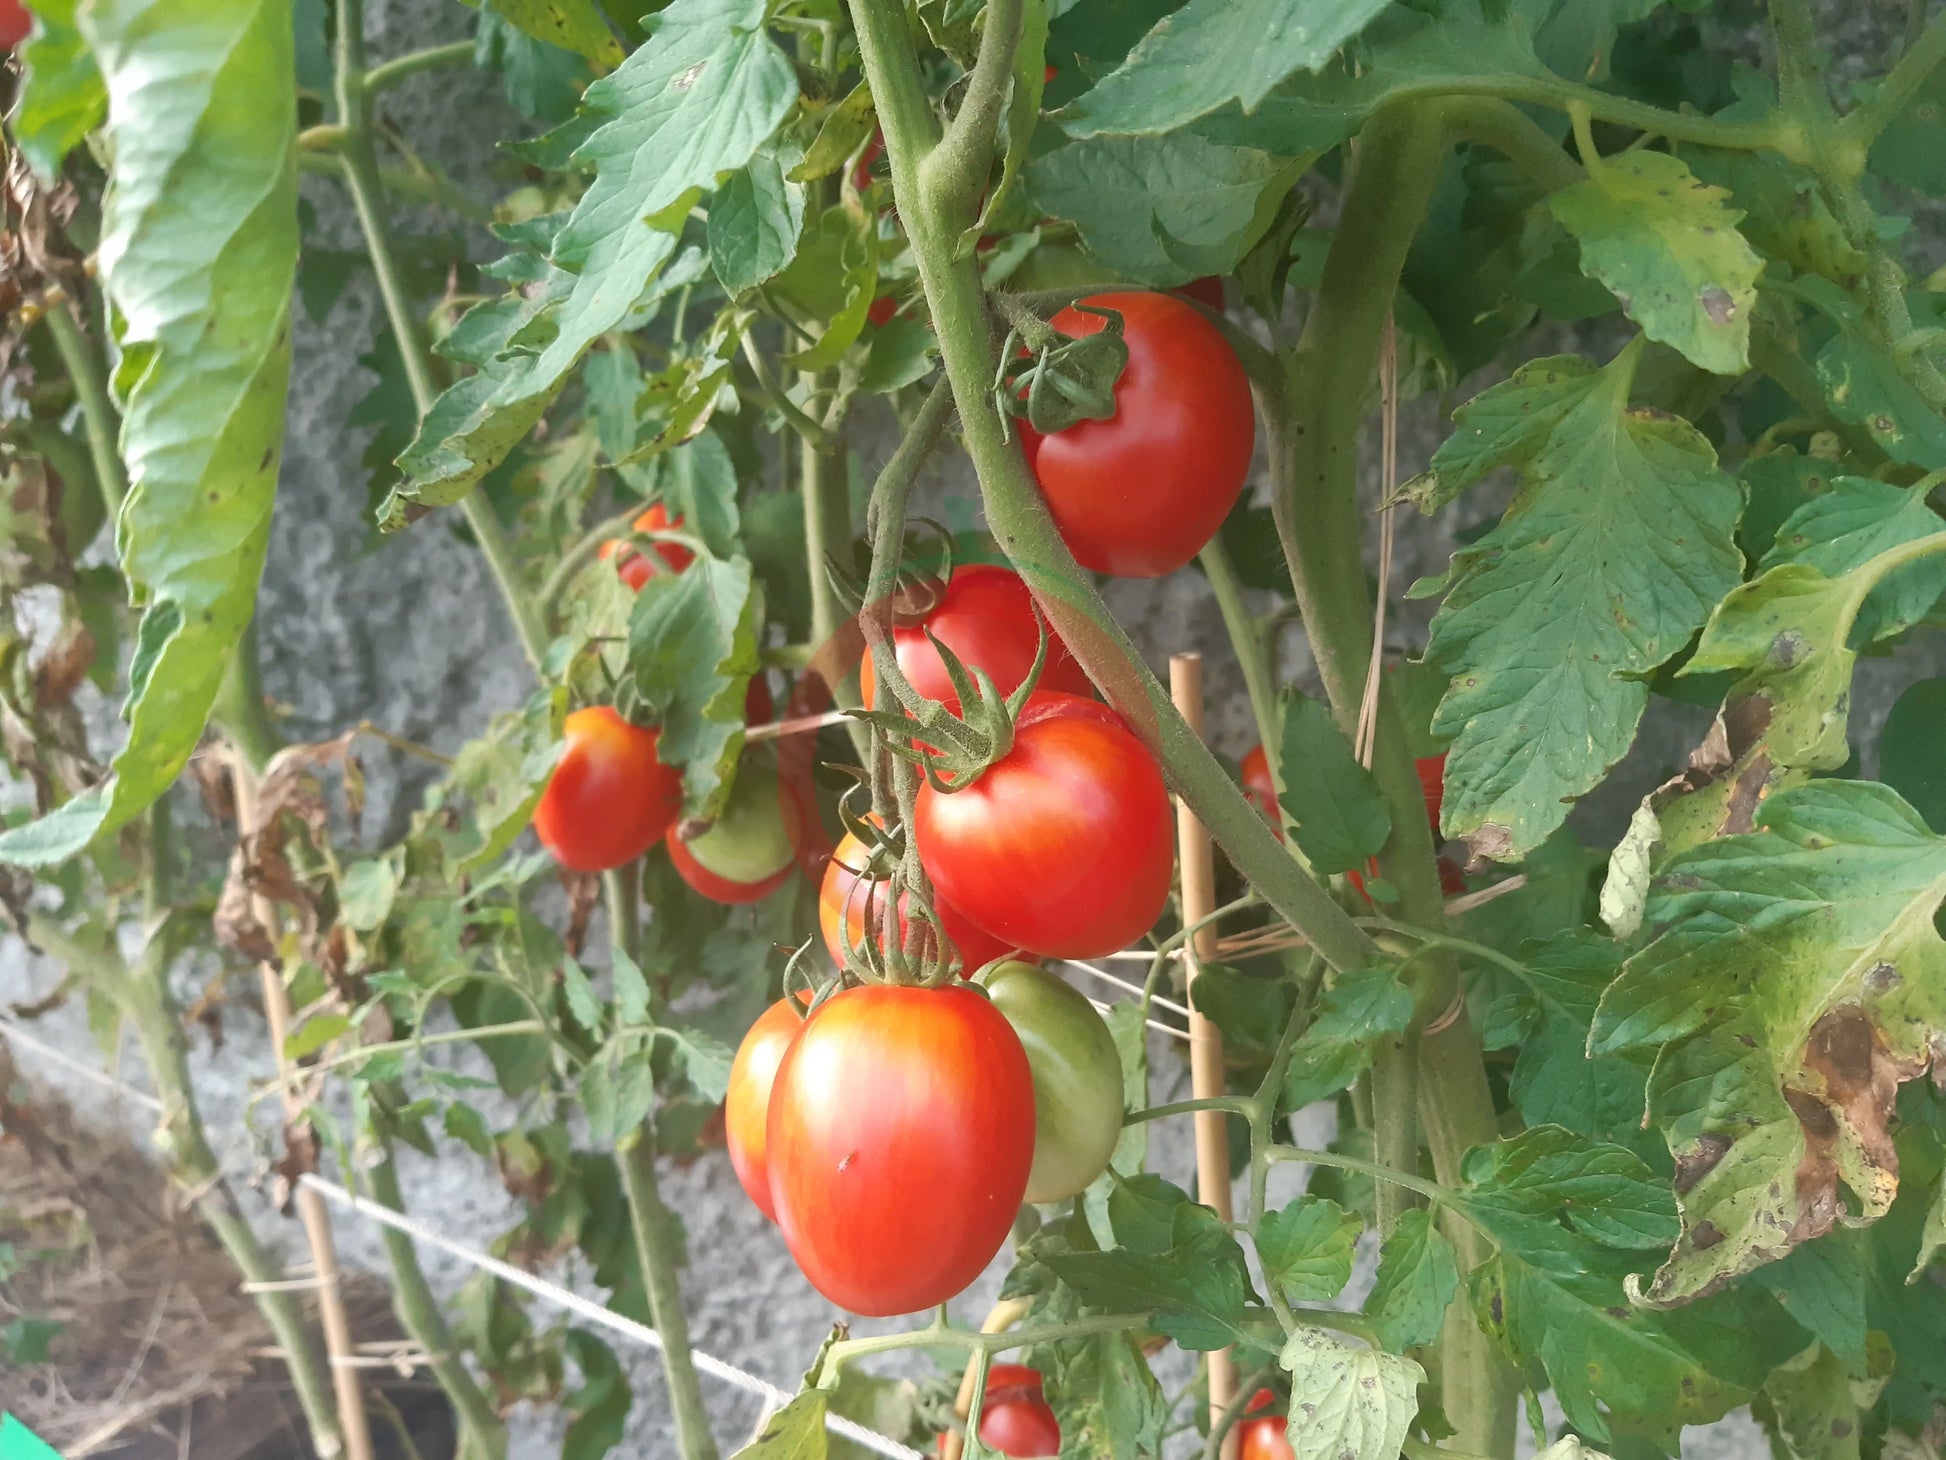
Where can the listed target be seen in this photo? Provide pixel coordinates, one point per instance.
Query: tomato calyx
(1053, 380)
(952, 744)
(903, 938)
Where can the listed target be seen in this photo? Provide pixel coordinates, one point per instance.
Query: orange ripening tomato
(848, 905)
(610, 798)
(636, 569)
(1140, 493)
(900, 1136)
(746, 1104)
(985, 616)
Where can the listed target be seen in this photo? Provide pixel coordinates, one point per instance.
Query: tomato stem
(843, 1352)
(1385, 1175)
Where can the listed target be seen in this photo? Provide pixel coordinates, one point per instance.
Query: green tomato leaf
(600, 1406)
(1142, 203)
(198, 252)
(572, 25)
(1851, 523)
(705, 1061)
(1911, 150)
(1909, 759)
(1809, 1411)
(1417, 1277)
(1306, 1248)
(1865, 387)
(1667, 246)
(1199, 1288)
(754, 223)
(1554, 1081)
(692, 650)
(1339, 814)
(795, 1432)
(1547, 641)
(366, 892)
(696, 101)
(1354, 1015)
(631, 989)
(584, 1005)
(699, 482)
(61, 97)
(1104, 1395)
(1771, 1091)
(1347, 1402)
(1504, 425)
(1531, 1190)
(1212, 52)
(1822, 1285)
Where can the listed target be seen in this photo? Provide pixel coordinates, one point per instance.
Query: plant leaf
(1667, 246)
(1851, 523)
(1339, 814)
(754, 223)
(572, 25)
(1347, 1402)
(1417, 1277)
(1354, 1014)
(1198, 1288)
(1908, 750)
(795, 1432)
(1608, 559)
(1212, 52)
(61, 96)
(1307, 1246)
(1772, 1091)
(198, 252)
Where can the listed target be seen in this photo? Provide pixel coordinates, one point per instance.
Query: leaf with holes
(1609, 558)
(1667, 246)
(1799, 980)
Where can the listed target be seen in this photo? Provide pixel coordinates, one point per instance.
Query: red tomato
(635, 569)
(15, 23)
(746, 1105)
(861, 172)
(1064, 846)
(1014, 1419)
(1263, 1438)
(986, 617)
(900, 1135)
(848, 905)
(610, 798)
(1432, 784)
(1258, 788)
(1140, 493)
(882, 309)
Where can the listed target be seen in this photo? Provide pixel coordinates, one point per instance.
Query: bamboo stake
(1198, 861)
(340, 1348)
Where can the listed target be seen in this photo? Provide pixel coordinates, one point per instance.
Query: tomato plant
(1077, 1077)
(610, 797)
(1064, 846)
(1529, 410)
(900, 1136)
(1140, 493)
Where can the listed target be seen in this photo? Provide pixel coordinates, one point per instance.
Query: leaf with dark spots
(1781, 1039)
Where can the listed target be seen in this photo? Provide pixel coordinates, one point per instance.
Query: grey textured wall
(408, 633)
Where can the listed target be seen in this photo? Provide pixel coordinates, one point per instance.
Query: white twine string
(585, 1308)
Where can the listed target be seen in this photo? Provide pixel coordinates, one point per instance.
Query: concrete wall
(408, 633)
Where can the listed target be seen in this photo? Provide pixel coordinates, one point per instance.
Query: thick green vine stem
(1441, 1078)
(1019, 517)
(142, 996)
(361, 174)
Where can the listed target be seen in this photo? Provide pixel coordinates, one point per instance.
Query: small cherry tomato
(746, 1104)
(882, 310)
(1077, 1078)
(848, 905)
(1015, 1420)
(1140, 493)
(610, 798)
(1064, 846)
(634, 568)
(1263, 1438)
(985, 615)
(900, 1135)
(861, 172)
(15, 23)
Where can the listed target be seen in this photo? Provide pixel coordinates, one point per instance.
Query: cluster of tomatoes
(1017, 1421)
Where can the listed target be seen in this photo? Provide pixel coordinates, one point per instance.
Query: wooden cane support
(1198, 870)
(339, 1345)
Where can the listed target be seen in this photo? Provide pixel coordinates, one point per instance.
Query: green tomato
(1077, 1078)
(751, 840)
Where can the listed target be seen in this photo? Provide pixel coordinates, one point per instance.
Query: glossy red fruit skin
(721, 889)
(1063, 847)
(846, 910)
(1020, 1425)
(1264, 1438)
(610, 798)
(1258, 788)
(1140, 494)
(634, 568)
(900, 1135)
(986, 617)
(746, 1104)
(15, 24)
